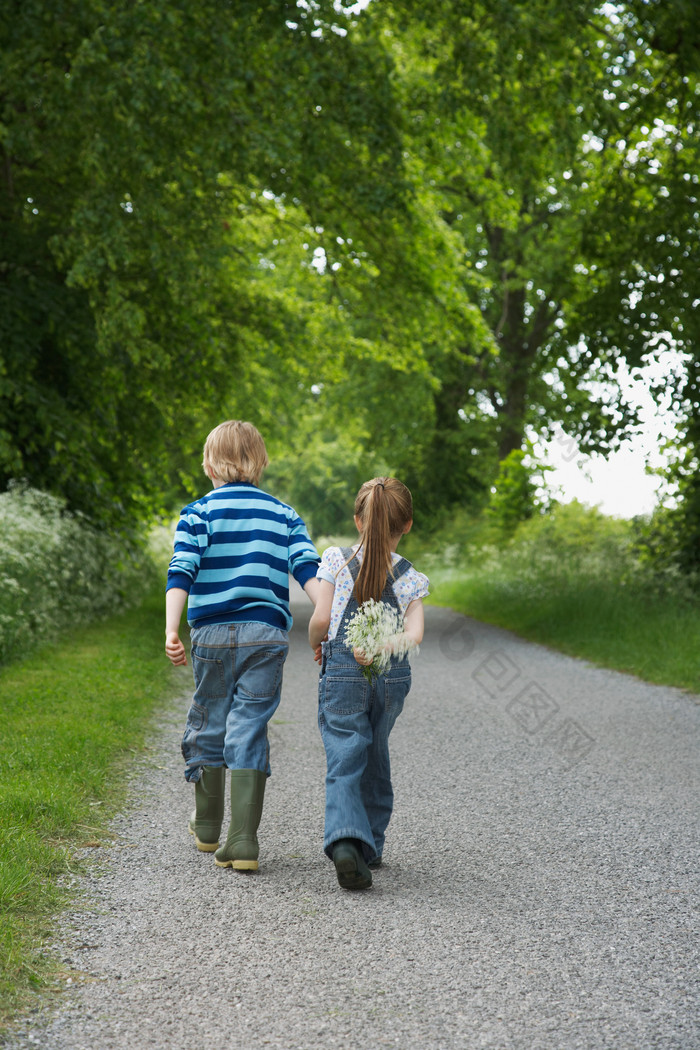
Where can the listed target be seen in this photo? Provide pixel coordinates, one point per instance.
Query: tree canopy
(139, 141)
(403, 238)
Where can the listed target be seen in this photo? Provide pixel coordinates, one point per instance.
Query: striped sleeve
(190, 539)
(303, 557)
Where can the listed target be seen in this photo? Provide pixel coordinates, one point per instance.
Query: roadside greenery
(575, 580)
(77, 712)
(81, 633)
(58, 570)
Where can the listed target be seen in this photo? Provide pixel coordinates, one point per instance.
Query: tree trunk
(520, 341)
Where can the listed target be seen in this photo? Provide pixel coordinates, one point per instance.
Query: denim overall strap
(395, 573)
(388, 597)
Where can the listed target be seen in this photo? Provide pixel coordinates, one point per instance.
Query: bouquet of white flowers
(377, 629)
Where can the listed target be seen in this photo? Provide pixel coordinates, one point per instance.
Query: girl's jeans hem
(368, 848)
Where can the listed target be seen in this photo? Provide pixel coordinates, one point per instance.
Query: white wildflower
(377, 629)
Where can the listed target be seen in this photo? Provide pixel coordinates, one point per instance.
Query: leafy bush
(58, 571)
(574, 579)
(572, 540)
(571, 545)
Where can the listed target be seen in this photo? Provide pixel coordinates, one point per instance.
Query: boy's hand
(174, 649)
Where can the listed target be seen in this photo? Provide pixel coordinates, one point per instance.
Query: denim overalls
(355, 717)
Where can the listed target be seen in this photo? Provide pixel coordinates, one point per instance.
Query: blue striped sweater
(234, 549)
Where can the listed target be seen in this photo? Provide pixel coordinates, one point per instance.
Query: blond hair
(235, 451)
(385, 508)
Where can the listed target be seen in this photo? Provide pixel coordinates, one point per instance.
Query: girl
(356, 714)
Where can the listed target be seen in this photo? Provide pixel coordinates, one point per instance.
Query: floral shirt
(407, 588)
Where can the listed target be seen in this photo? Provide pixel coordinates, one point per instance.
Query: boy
(234, 549)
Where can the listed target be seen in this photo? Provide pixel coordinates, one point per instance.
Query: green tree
(557, 142)
(135, 139)
(408, 235)
(513, 493)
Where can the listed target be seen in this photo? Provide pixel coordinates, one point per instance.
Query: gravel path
(539, 889)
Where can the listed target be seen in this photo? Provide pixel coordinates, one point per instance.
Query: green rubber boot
(240, 850)
(208, 813)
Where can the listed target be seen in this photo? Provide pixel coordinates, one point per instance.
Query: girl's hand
(396, 643)
(362, 658)
(318, 650)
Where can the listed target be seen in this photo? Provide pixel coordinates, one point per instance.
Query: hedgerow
(57, 571)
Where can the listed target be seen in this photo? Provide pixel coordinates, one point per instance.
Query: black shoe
(352, 872)
(376, 863)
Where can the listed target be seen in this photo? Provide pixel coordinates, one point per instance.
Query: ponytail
(384, 507)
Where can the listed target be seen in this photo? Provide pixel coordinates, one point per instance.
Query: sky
(618, 484)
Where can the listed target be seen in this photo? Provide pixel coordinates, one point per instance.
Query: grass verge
(654, 636)
(73, 712)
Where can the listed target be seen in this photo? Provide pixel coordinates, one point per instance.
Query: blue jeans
(355, 717)
(238, 680)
